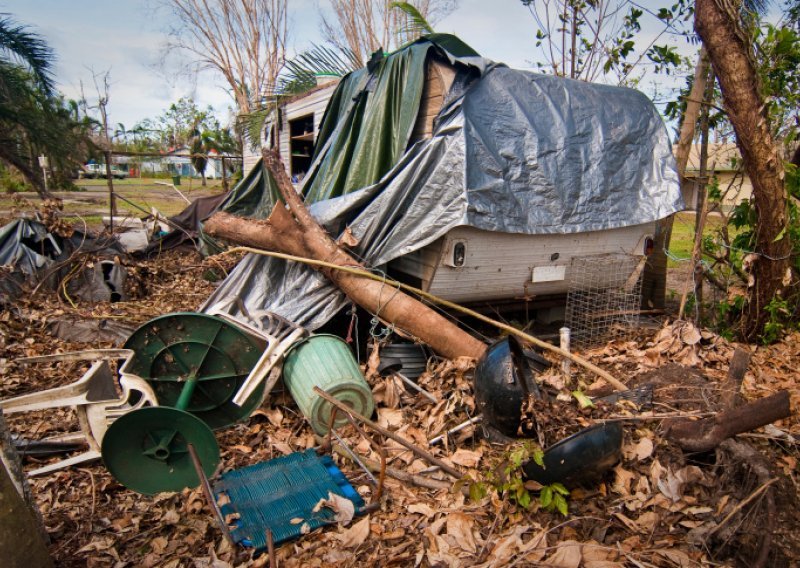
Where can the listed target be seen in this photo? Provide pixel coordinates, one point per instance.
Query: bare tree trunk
(701, 183)
(112, 200)
(224, 175)
(730, 53)
(295, 231)
(655, 274)
(244, 41)
(692, 112)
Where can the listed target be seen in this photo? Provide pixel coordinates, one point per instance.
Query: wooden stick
(209, 495)
(696, 253)
(396, 473)
(441, 301)
(273, 561)
(763, 487)
(733, 383)
(450, 470)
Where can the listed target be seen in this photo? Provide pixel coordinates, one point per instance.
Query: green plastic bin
(325, 361)
(176, 180)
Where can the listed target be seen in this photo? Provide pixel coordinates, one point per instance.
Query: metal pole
(206, 486)
(448, 469)
(564, 334)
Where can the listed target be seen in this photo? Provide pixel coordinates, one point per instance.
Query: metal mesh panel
(604, 298)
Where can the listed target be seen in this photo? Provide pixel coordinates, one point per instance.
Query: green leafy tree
(202, 143)
(183, 117)
(589, 39)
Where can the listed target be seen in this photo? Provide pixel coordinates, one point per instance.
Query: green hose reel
(195, 363)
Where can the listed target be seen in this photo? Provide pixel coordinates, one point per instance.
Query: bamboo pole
(441, 301)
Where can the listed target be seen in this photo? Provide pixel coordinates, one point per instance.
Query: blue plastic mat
(272, 494)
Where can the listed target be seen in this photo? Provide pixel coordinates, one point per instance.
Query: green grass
(682, 240)
(188, 185)
(91, 201)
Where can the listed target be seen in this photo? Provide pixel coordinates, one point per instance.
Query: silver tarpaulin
(516, 152)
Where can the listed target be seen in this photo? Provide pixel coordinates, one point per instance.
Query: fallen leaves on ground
(654, 508)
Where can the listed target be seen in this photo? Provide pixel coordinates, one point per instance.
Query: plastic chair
(95, 397)
(279, 333)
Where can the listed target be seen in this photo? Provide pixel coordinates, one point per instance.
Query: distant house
(725, 164)
(177, 162)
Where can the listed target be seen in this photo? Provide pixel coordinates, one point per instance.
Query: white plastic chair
(279, 333)
(94, 396)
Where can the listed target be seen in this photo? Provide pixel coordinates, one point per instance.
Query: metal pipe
(416, 387)
(438, 439)
(206, 487)
(564, 343)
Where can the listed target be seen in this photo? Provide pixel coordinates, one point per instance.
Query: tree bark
(294, 231)
(655, 275)
(707, 434)
(730, 53)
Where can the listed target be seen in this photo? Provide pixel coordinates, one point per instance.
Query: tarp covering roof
(511, 151)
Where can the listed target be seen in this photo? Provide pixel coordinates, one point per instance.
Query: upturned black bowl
(503, 382)
(581, 458)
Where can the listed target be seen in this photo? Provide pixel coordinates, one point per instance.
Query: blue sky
(126, 36)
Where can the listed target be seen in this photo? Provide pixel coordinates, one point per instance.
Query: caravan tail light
(649, 246)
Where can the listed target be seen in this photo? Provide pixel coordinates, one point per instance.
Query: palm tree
(199, 152)
(33, 119)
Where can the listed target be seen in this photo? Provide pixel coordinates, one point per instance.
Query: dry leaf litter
(658, 507)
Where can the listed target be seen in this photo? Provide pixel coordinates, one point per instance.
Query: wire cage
(603, 299)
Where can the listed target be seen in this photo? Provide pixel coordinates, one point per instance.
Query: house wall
(314, 102)
(723, 161)
(500, 266)
(734, 189)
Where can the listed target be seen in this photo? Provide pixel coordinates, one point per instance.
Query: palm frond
(300, 74)
(756, 6)
(28, 49)
(416, 24)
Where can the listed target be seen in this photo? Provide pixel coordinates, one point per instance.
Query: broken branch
(450, 470)
(296, 232)
(396, 473)
(705, 435)
(441, 301)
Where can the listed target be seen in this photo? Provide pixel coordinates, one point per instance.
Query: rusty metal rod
(273, 561)
(206, 486)
(450, 470)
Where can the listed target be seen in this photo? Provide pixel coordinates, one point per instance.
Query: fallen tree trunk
(707, 434)
(294, 231)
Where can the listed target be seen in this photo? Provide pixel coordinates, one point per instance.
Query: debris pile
(658, 505)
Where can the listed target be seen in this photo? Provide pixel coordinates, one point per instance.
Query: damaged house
(476, 182)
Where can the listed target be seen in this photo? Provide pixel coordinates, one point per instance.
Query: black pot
(581, 458)
(503, 382)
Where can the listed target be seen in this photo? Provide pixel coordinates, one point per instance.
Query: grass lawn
(188, 185)
(683, 235)
(90, 203)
